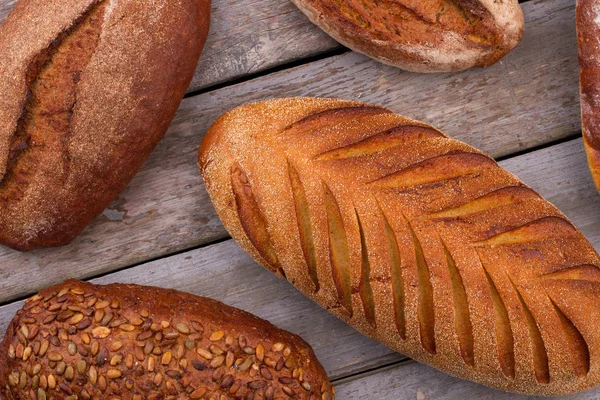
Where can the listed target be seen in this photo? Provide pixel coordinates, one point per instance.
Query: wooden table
(163, 230)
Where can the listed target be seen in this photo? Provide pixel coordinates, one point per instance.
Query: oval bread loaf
(588, 34)
(422, 35)
(82, 341)
(415, 239)
(88, 88)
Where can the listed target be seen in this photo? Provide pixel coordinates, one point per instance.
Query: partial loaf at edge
(89, 87)
(135, 342)
(424, 35)
(415, 239)
(588, 37)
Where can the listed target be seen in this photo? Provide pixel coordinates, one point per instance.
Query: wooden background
(163, 231)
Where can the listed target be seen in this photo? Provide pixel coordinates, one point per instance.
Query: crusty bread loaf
(88, 88)
(415, 239)
(82, 341)
(422, 35)
(588, 35)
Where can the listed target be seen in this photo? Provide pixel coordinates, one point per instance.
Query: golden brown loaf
(422, 35)
(88, 88)
(82, 341)
(588, 34)
(415, 239)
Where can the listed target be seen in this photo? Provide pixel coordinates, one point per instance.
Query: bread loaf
(588, 35)
(88, 88)
(415, 239)
(425, 35)
(81, 341)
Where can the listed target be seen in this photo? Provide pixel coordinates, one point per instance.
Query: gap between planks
(195, 89)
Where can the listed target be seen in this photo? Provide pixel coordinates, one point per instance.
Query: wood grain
(528, 99)
(223, 271)
(251, 36)
(247, 37)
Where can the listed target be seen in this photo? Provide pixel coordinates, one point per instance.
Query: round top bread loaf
(83, 341)
(422, 35)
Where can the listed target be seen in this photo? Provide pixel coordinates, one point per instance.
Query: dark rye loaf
(88, 88)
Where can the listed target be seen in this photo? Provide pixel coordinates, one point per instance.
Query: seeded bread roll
(422, 35)
(88, 88)
(82, 341)
(415, 239)
(588, 34)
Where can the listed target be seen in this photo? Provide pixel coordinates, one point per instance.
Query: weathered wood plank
(5, 7)
(223, 271)
(528, 99)
(250, 36)
(247, 37)
(411, 380)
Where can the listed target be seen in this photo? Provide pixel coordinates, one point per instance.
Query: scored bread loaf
(588, 35)
(422, 36)
(83, 341)
(88, 88)
(415, 239)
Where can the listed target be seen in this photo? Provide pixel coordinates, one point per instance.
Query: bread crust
(415, 239)
(588, 38)
(123, 100)
(132, 342)
(422, 36)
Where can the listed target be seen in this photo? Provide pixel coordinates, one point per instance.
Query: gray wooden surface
(224, 272)
(250, 36)
(163, 231)
(528, 99)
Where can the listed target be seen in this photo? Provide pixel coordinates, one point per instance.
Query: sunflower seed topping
(260, 352)
(83, 346)
(113, 374)
(166, 358)
(101, 332)
(183, 328)
(54, 356)
(204, 353)
(216, 336)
